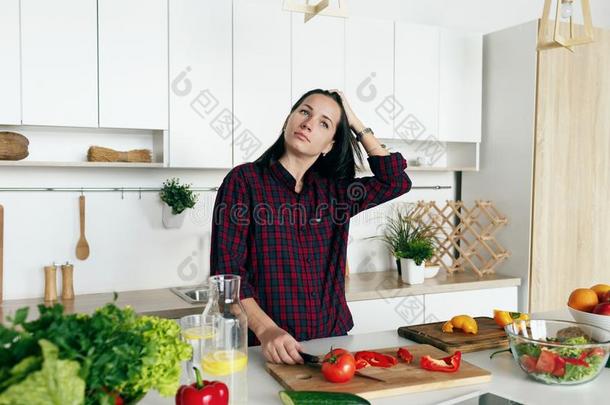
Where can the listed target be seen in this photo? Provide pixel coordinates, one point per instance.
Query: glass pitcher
(226, 355)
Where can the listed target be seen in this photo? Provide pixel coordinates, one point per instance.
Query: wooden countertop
(387, 284)
(359, 287)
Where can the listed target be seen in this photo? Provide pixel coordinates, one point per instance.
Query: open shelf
(31, 163)
(68, 146)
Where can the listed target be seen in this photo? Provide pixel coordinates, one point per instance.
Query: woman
(282, 222)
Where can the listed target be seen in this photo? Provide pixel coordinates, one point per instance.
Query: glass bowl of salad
(559, 352)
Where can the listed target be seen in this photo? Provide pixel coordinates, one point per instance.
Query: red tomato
(597, 351)
(528, 363)
(335, 352)
(560, 367)
(338, 366)
(546, 362)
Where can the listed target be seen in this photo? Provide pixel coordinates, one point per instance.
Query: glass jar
(225, 357)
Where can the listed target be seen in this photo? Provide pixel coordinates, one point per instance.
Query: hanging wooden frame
(320, 8)
(558, 39)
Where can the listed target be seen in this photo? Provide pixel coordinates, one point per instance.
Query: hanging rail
(144, 189)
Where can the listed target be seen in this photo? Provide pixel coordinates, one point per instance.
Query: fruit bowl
(559, 352)
(601, 321)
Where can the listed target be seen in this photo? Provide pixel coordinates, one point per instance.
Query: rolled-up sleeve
(389, 181)
(230, 227)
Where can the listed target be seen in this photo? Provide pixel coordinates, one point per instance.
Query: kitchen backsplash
(130, 248)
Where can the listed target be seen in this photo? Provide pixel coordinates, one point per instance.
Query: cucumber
(321, 398)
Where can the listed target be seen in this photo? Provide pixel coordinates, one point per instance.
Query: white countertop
(507, 378)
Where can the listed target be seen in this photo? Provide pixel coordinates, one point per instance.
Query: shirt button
(308, 260)
(314, 294)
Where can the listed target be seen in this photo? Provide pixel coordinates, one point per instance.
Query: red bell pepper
(405, 355)
(203, 392)
(449, 364)
(362, 364)
(580, 361)
(376, 359)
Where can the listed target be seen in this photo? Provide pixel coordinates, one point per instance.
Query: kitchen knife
(315, 361)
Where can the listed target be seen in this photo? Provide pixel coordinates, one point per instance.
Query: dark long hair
(340, 162)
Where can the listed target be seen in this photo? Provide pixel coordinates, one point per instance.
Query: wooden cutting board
(490, 336)
(401, 379)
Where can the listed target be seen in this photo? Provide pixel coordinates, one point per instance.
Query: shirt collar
(284, 176)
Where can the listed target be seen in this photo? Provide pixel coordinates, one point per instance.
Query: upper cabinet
(369, 72)
(417, 81)
(261, 76)
(59, 62)
(318, 54)
(201, 114)
(10, 78)
(133, 62)
(461, 81)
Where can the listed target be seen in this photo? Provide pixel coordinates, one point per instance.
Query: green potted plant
(410, 243)
(176, 199)
(413, 258)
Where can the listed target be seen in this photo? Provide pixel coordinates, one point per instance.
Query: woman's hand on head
(354, 122)
(279, 346)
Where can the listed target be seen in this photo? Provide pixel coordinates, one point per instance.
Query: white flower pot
(411, 272)
(170, 220)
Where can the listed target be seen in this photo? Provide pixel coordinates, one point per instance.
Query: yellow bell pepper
(464, 322)
(504, 318)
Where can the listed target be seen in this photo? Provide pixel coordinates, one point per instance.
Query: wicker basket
(102, 154)
(13, 146)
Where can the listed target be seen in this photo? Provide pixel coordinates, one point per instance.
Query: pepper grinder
(67, 287)
(50, 283)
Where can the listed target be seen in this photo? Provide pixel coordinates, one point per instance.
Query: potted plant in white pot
(401, 231)
(176, 199)
(412, 259)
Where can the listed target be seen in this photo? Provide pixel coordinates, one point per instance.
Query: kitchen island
(507, 378)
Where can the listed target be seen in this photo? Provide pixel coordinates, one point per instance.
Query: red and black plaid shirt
(289, 248)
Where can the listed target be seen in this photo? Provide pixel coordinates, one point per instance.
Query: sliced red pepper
(376, 359)
(449, 364)
(362, 364)
(580, 361)
(405, 355)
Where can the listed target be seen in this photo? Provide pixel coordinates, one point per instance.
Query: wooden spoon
(82, 247)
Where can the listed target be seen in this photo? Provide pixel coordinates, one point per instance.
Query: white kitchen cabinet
(318, 54)
(201, 116)
(369, 71)
(59, 62)
(10, 75)
(261, 76)
(444, 306)
(416, 81)
(386, 313)
(133, 63)
(460, 86)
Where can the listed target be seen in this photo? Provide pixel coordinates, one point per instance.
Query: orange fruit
(600, 290)
(583, 299)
